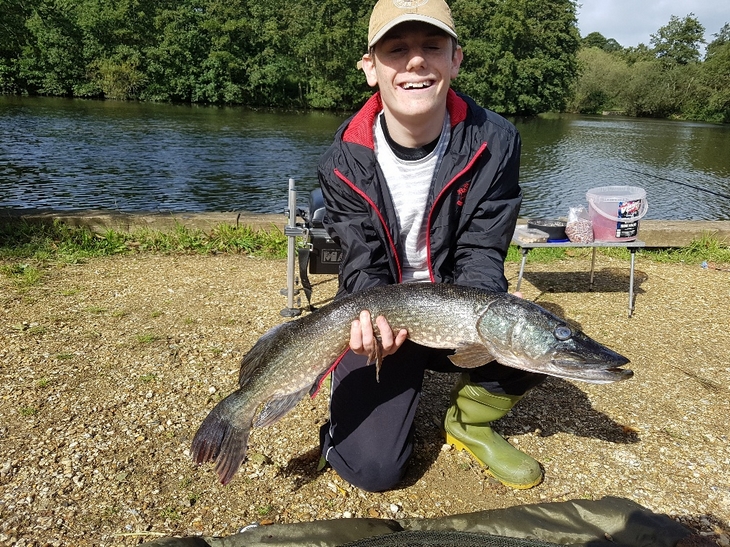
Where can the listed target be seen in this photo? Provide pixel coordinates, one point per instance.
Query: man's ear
(456, 61)
(368, 67)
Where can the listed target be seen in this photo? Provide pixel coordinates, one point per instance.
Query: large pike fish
(481, 326)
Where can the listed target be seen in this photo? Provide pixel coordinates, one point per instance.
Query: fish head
(524, 335)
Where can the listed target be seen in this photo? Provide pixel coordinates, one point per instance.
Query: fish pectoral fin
(471, 356)
(376, 356)
(276, 407)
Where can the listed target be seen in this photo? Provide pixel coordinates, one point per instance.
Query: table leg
(593, 265)
(631, 283)
(522, 268)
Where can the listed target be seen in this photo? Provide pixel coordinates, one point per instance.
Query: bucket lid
(615, 193)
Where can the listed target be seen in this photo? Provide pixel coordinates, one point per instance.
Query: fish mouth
(599, 371)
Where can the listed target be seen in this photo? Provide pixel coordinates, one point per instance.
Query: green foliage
(14, 34)
(666, 80)
(52, 61)
(706, 248)
(23, 275)
(648, 91)
(679, 40)
(59, 241)
(294, 53)
(519, 55)
(715, 77)
(602, 79)
(597, 40)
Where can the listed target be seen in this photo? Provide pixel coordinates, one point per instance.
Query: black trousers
(369, 437)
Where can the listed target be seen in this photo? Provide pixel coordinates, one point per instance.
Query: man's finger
(366, 330)
(386, 333)
(356, 336)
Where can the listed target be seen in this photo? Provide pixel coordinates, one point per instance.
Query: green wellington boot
(467, 427)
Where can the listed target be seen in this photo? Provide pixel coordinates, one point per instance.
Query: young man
(421, 185)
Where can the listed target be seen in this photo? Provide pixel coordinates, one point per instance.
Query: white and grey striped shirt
(409, 183)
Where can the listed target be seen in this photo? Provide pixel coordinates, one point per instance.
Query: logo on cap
(409, 4)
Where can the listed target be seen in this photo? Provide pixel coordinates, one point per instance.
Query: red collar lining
(360, 129)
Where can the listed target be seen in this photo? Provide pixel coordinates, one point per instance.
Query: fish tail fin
(222, 439)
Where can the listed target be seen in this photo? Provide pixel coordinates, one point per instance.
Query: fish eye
(563, 333)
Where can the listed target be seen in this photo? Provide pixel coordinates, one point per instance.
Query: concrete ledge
(100, 221)
(656, 233)
(680, 233)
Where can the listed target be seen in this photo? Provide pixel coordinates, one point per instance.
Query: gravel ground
(107, 369)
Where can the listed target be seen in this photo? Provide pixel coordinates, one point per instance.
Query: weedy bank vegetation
(28, 248)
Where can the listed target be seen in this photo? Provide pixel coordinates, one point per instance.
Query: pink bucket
(615, 212)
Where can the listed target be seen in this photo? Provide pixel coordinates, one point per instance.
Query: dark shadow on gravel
(604, 280)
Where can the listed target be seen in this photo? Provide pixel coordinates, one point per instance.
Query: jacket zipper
(362, 194)
(435, 202)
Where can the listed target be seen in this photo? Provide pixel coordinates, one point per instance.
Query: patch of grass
(37, 329)
(42, 383)
(147, 378)
(56, 240)
(224, 238)
(147, 338)
(156, 314)
(23, 275)
(543, 254)
(170, 513)
(110, 512)
(707, 248)
(264, 510)
(64, 356)
(23, 241)
(59, 241)
(28, 411)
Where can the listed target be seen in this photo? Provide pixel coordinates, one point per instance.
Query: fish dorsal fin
(276, 407)
(255, 356)
(471, 356)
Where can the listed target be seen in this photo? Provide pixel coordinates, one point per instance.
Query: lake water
(73, 155)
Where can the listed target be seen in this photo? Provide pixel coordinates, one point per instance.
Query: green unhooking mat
(610, 521)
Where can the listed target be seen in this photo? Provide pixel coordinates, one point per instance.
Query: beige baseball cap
(389, 13)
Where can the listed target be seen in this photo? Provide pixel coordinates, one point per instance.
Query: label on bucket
(628, 210)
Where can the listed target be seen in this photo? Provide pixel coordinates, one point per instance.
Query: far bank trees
(520, 54)
(668, 78)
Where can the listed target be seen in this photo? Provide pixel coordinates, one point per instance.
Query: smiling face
(413, 65)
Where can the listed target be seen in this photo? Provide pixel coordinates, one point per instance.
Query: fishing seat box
(325, 255)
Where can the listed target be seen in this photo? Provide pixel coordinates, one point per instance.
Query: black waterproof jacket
(472, 208)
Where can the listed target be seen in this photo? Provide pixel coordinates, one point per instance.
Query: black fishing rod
(726, 196)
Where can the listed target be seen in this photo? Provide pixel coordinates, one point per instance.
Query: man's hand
(364, 342)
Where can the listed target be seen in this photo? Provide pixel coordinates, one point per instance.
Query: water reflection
(74, 154)
(565, 156)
